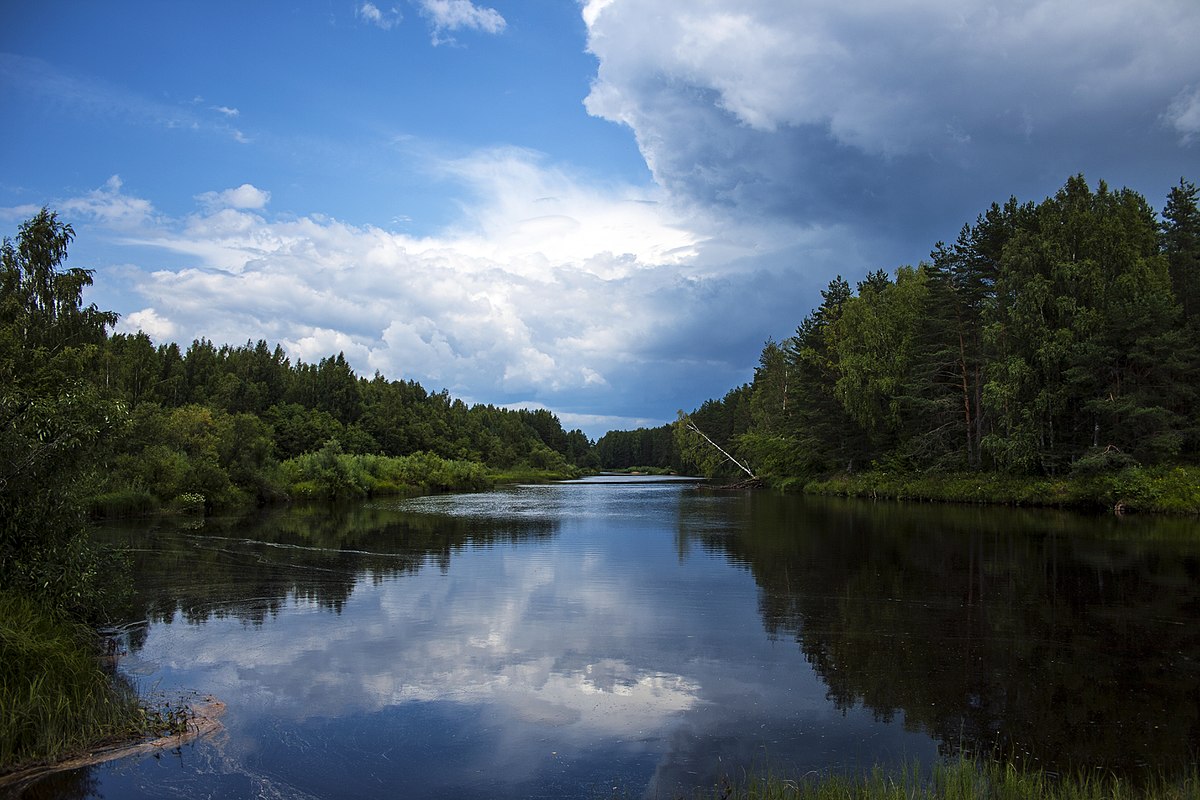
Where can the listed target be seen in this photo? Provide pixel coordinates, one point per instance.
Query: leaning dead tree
(691, 426)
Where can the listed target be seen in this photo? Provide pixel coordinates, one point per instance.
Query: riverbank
(57, 697)
(63, 703)
(333, 476)
(198, 720)
(1160, 490)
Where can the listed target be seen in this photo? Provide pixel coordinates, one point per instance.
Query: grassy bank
(56, 698)
(523, 474)
(329, 474)
(1171, 490)
(961, 781)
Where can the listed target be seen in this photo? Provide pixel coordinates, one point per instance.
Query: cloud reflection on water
(606, 645)
(439, 638)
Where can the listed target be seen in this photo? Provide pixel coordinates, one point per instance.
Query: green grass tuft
(55, 697)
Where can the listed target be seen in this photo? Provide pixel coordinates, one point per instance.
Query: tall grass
(962, 780)
(528, 474)
(55, 697)
(122, 503)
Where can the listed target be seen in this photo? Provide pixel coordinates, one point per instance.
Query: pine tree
(1181, 245)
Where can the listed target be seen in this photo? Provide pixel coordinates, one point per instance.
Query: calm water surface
(595, 638)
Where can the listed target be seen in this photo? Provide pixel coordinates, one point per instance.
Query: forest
(94, 423)
(1050, 339)
(245, 424)
(229, 426)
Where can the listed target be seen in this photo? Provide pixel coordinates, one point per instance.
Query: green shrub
(188, 503)
(330, 474)
(1158, 489)
(1102, 461)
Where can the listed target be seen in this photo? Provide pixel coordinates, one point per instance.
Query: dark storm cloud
(899, 121)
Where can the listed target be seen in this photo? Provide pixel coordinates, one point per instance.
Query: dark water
(592, 640)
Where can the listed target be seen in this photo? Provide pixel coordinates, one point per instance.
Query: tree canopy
(1048, 338)
(55, 424)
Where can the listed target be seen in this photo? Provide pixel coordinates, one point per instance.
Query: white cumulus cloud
(549, 289)
(110, 206)
(244, 196)
(447, 16)
(149, 322)
(371, 13)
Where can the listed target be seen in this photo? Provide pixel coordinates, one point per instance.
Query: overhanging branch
(692, 427)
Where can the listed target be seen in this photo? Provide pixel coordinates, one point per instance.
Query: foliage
(330, 474)
(526, 474)
(243, 425)
(194, 449)
(1180, 231)
(1161, 489)
(123, 503)
(55, 424)
(1050, 339)
(642, 447)
(722, 421)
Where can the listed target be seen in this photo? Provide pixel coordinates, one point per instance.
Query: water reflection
(562, 640)
(1065, 640)
(249, 568)
(545, 653)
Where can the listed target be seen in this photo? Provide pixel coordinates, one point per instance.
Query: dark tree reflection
(1061, 640)
(249, 569)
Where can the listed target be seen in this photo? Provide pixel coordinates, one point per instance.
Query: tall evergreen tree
(1181, 245)
(939, 408)
(1083, 305)
(826, 436)
(974, 266)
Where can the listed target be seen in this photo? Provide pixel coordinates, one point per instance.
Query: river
(608, 638)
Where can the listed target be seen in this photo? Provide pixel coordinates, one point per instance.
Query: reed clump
(57, 697)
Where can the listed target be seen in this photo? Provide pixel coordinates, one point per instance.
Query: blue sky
(600, 208)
